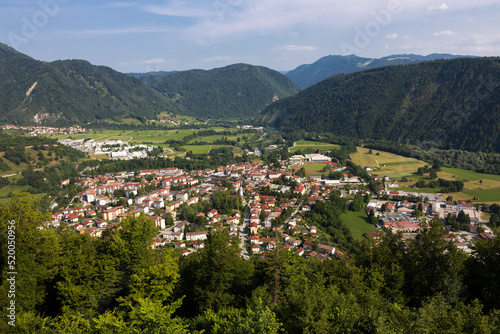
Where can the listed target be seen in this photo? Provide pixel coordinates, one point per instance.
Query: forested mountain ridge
(309, 74)
(235, 91)
(449, 103)
(70, 91)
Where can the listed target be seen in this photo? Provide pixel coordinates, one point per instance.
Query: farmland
(385, 163)
(478, 187)
(161, 137)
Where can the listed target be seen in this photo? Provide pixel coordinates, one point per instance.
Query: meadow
(314, 145)
(478, 187)
(356, 222)
(386, 164)
(159, 137)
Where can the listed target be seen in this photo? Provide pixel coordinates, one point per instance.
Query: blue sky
(142, 36)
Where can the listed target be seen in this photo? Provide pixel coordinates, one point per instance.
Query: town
(172, 198)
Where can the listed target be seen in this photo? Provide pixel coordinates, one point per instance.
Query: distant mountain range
(451, 103)
(70, 91)
(310, 74)
(236, 91)
(77, 92)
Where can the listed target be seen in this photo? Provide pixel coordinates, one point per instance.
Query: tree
(130, 243)
(432, 265)
(262, 215)
(357, 203)
(494, 221)
(301, 172)
(214, 277)
(483, 273)
(36, 254)
(432, 174)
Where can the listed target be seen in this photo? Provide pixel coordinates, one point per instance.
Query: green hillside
(446, 103)
(309, 74)
(235, 91)
(70, 91)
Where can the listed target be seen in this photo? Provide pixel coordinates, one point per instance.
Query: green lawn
(315, 145)
(463, 174)
(485, 195)
(315, 167)
(400, 163)
(356, 221)
(201, 149)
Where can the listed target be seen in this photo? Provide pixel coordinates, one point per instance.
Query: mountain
(70, 91)
(235, 91)
(310, 74)
(154, 73)
(451, 103)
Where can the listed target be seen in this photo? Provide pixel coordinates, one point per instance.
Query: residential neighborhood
(186, 206)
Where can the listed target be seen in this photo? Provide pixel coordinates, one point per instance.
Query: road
(244, 236)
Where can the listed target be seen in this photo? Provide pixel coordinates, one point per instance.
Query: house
(180, 244)
(159, 221)
(307, 245)
(255, 248)
(254, 227)
(198, 244)
(326, 249)
(112, 214)
(173, 235)
(196, 235)
(299, 251)
(212, 213)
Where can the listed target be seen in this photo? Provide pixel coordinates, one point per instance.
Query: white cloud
(152, 61)
(217, 58)
(444, 33)
(442, 6)
(291, 47)
(181, 8)
(392, 36)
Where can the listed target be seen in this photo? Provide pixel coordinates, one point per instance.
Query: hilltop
(236, 91)
(70, 91)
(449, 103)
(309, 74)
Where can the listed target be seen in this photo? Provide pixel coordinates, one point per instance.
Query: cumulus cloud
(442, 6)
(392, 36)
(444, 33)
(153, 61)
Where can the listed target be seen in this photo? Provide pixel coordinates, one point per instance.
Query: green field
(156, 137)
(315, 167)
(315, 145)
(485, 195)
(201, 149)
(356, 221)
(463, 174)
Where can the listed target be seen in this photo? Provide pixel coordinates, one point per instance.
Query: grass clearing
(315, 145)
(356, 221)
(385, 163)
(463, 174)
(485, 195)
(202, 149)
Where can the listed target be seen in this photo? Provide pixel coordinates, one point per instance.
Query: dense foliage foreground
(67, 282)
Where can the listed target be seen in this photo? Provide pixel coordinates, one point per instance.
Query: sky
(166, 35)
